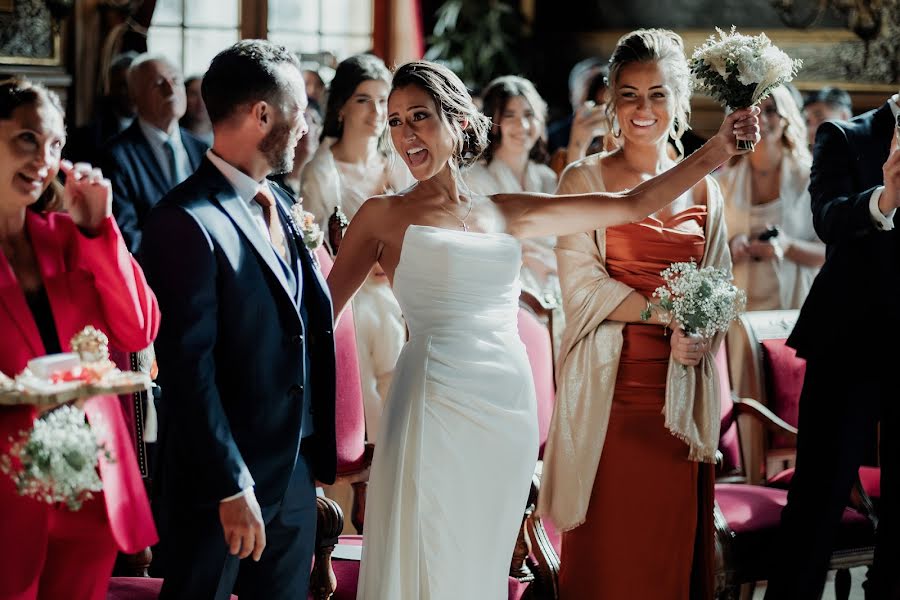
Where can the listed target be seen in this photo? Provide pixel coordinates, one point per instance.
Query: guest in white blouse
(516, 161)
(774, 246)
(354, 162)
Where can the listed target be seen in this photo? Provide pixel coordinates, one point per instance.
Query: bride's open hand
(740, 125)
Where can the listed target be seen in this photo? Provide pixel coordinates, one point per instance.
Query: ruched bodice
(450, 280)
(458, 444)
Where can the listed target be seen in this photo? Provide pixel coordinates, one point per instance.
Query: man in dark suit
(153, 154)
(113, 113)
(246, 353)
(847, 334)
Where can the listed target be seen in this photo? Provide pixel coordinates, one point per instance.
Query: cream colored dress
(771, 284)
(539, 276)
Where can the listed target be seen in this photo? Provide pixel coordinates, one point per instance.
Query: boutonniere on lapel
(306, 229)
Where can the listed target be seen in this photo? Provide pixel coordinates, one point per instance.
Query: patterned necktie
(276, 233)
(173, 164)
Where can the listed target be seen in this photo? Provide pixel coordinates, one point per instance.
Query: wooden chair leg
(133, 565)
(842, 583)
(518, 567)
(359, 505)
(329, 524)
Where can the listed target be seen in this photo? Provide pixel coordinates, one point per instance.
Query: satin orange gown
(637, 542)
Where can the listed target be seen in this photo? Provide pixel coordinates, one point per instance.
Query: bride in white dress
(458, 443)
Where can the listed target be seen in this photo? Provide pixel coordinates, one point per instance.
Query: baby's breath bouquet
(57, 460)
(740, 70)
(703, 301)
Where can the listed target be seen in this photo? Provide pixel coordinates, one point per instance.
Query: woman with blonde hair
(627, 474)
(774, 246)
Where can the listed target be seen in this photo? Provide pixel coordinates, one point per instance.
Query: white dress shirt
(884, 222)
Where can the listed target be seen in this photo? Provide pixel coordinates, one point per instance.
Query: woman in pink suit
(58, 273)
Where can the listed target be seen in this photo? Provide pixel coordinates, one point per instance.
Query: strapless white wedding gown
(459, 440)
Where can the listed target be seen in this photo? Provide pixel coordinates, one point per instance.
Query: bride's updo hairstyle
(454, 106)
(655, 46)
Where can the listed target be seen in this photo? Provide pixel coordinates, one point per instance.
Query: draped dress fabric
(637, 540)
(459, 440)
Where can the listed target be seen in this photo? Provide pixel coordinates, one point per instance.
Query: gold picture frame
(34, 38)
(818, 47)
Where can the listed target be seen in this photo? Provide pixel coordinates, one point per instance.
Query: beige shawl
(589, 360)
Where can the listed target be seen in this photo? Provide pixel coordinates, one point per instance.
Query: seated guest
(774, 245)
(196, 119)
(353, 163)
(827, 104)
(113, 113)
(515, 161)
(154, 154)
(558, 132)
(59, 273)
(315, 88)
(590, 126)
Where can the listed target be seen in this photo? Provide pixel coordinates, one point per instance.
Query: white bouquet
(740, 70)
(703, 301)
(57, 460)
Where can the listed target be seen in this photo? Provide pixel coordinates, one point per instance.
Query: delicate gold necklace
(462, 221)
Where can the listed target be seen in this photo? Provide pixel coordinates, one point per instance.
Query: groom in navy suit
(246, 352)
(847, 332)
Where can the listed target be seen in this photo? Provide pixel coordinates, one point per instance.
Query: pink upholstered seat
(753, 515)
(729, 442)
(136, 588)
(349, 421)
(870, 477)
(784, 374)
(539, 347)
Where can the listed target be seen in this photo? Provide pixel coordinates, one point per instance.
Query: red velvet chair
(761, 367)
(748, 516)
(772, 374)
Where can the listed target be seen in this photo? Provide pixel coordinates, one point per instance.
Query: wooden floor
(858, 575)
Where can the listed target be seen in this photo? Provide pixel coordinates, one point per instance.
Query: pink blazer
(89, 281)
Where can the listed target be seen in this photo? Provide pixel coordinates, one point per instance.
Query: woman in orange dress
(637, 410)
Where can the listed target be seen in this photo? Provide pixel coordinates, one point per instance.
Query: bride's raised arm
(535, 215)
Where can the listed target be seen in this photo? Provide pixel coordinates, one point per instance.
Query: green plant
(479, 40)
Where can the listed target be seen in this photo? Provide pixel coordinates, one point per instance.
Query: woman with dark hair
(515, 161)
(354, 162)
(459, 440)
(60, 272)
(637, 404)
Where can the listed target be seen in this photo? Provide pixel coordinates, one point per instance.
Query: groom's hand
(242, 522)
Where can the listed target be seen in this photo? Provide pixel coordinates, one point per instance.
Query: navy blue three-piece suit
(245, 351)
